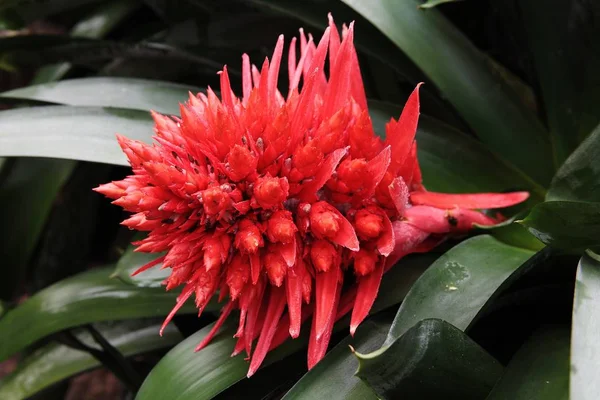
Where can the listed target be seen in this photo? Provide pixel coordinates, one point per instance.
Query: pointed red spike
(288, 252)
(317, 345)
(326, 287)
(377, 168)
(295, 277)
(469, 201)
(275, 309)
(255, 267)
(309, 192)
(368, 286)
(148, 266)
(399, 194)
(401, 134)
(386, 242)
(224, 314)
(187, 291)
(253, 315)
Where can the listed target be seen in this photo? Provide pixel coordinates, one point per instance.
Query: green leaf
(96, 25)
(585, 348)
(138, 94)
(578, 179)
(369, 41)
(460, 283)
(27, 194)
(333, 377)
(90, 296)
(432, 360)
(463, 75)
(131, 261)
(454, 162)
(29, 10)
(567, 225)
(55, 362)
(539, 370)
(562, 40)
(80, 133)
(435, 3)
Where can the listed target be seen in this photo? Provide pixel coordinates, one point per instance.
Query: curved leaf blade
(79, 133)
(460, 283)
(578, 179)
(585, 349)
(138, 94)
(460, 71)
(54, 362)
(90, 296)
(539, 370)
(432, 360)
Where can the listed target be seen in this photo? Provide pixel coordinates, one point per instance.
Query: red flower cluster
(274, 202)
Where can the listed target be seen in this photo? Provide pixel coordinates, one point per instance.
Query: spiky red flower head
(276, 201)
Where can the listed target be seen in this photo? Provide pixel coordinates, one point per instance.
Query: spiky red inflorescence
(277, 201)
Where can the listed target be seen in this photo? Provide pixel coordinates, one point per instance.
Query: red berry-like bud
(241, 162)
(215, 200)
(276, 268)
(323, 255)
(271, 192)
(281, 227)
(248, 239)
(364, 262)
(368, 225)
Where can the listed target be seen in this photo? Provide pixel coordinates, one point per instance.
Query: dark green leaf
(460, 283)
(96, 25)
(578, 179)
(567, 225)
(539, 370)
(432, 360)
(562, 39)
(462, 73)
(81, 133)
(435, 3)
(131, 261)
(454, 162)
(32, 9)
(139, 94)
(90, 296)
(333, 377)
(585, 348)
(54, 362)
(27, 194)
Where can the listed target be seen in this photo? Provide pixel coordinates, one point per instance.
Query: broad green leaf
(463, 75)
(27, 194)
(55, 362)
(139, 94)
(81, 133)
(435, 3)
(131, 261)
(90, 296)
(460, 283)
(452, 161)
(432, 360)
(96, 25)
(567, 225)
(578, 179)
(539, 370)
(585, 348)
(183, 374)
(333, 377)
(368, 40)
(562, 40)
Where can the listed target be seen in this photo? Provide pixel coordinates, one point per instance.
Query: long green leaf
(138, 94)
(562, 39)
(460, 283)
(578, 179)
(90, 296)
(96, 25)
(26, 197)
(585, 349)
(131, 261)
(432, 360)
(81, 133)
(539, 370)
(461, 72)
(567, 225)
(333, 377)
(54, 362)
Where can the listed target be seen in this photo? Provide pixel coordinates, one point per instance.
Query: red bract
(276, 202)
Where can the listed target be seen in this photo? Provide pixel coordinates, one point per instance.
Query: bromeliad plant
(276, 210)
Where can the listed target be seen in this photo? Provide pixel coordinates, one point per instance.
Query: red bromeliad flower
(276, 201)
